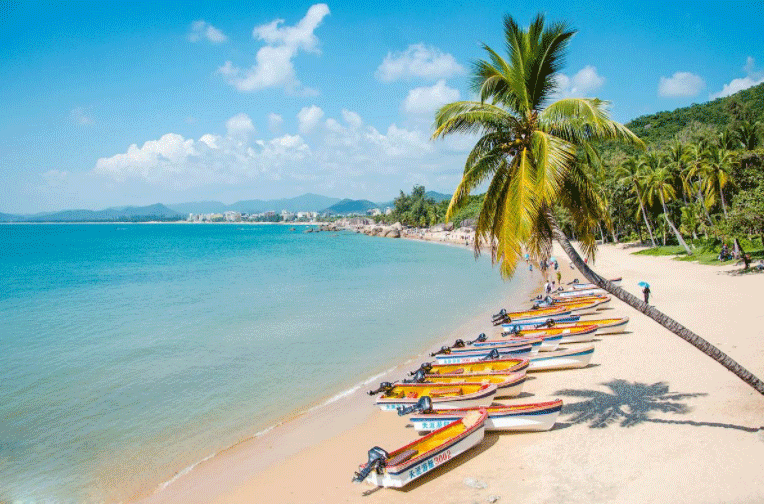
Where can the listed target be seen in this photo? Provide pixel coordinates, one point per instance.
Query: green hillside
(657, 129)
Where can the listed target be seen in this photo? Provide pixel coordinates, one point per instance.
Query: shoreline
(649, 407)
(296, 428)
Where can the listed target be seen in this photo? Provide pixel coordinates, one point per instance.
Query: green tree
(629, 174)
(658, 182)
(718, 166)
(527, 153)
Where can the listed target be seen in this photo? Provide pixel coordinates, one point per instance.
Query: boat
(400, 467)
(583, 306)
(509, 384)
(576, 334)
(578, 286)
(566, 358)
(572, 294)
(540, 340)
(604, 326)
(444, 395)
(535, 324)
(512, 417)
(476, 354)
(499, 366)
(504, 317)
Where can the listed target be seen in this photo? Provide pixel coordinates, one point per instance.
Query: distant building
(388, 210)
(232, 216)
(373, 212)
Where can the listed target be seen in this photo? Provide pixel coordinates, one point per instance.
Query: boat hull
(521, 326)
(532, 418)
(562, 359)
(480, 354)
(482, 398)
(403, 474)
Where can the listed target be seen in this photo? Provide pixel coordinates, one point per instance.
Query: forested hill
(657, 129)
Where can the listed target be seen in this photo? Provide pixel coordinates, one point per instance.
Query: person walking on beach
(646, 293)
(559, 278)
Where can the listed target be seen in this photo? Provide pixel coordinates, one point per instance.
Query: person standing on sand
(646, 293)
(559, 278)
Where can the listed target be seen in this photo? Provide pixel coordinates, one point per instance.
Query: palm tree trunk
(644, 215)
(724, 203)
(674, 229)
(602, 233)
(663, 319)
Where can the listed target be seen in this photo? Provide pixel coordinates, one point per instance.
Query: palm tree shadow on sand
(630, 404)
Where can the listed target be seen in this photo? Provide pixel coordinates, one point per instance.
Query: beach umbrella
(644, 284)
(552, 259)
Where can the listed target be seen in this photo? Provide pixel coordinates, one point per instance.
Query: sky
(113, 104)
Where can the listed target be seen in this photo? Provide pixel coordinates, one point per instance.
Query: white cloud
(348, 153)
(752, 78)
(203, 30)
(274, 122)
(78, 115)
(680, 84)
(240, 126)
(273, 63)
(308, 117)
(426, 100)
(582, 83)
(418, 61)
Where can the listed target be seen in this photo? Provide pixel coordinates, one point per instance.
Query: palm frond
(582, 120)
(471, 117)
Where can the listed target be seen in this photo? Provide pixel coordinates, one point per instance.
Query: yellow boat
(444, 395)
(498, 366)
(604, 326)
(510, 385)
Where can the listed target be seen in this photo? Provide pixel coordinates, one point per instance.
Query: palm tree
(629, 174)
(749, 134)
(718, 174)
(658, 182)
(527, 154)
(677, 157)
(695, 173)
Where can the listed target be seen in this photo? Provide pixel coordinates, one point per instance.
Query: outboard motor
(444, 350)
(481, 338)
(423, 405)
(377, 460)
(425, 367)
(515, 331)
(418, 377)
(501, 313)
(547, 323)
(383, 387)
(492, 355)
(458, 344)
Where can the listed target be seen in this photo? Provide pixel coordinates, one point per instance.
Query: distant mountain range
(306, 202)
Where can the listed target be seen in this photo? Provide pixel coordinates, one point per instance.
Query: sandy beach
(652, 419)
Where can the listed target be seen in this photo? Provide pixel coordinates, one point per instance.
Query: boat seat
(446, 391)
(401, 457)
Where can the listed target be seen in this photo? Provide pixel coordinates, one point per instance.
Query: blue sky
(136, 103)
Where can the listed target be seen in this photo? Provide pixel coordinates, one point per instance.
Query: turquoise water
(129, 352)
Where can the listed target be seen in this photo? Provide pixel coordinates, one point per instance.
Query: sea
(130, 352)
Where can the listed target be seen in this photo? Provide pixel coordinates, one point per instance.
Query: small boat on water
(566, 358)
(509, 384)
(400, 467)
(445, 395)
(511, 417)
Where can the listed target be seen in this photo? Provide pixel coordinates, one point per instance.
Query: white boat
(587, 285)
(402, 466)
(567, 358)
(480, 354)
(596, 291)
(514, 417)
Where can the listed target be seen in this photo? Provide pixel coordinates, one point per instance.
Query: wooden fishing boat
(576, 334)
(444, 395)
(475, 354)
(567, 358)
(512, 417)
(499, 366)
(509, 385)
(402, 466)
(603, 326)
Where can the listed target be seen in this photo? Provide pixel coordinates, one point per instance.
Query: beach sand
(652, 419)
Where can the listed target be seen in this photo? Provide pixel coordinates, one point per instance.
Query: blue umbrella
(644, 284)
